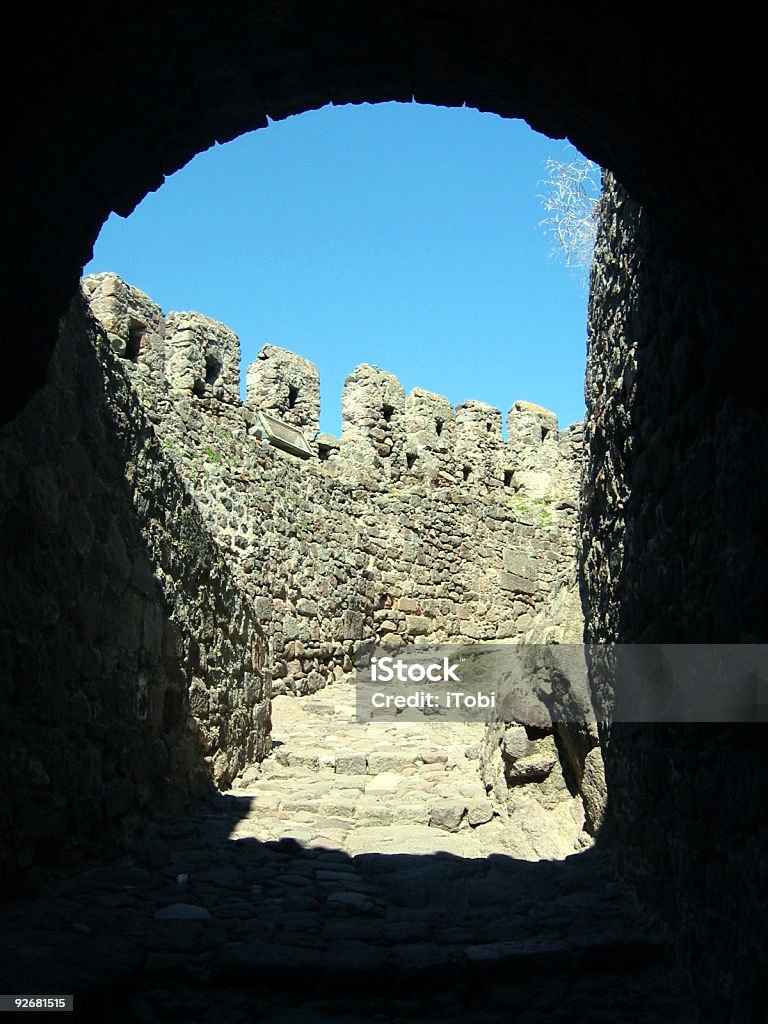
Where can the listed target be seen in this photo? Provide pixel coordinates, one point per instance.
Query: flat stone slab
(390, 761)
(386, 782)
(182, 912)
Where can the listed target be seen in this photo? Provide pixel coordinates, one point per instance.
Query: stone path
(395, 786)
(318, 890)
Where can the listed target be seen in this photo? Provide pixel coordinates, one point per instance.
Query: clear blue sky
(396, 234)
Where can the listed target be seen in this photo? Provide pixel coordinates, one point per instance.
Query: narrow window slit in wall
(212, 369)
(134, 345)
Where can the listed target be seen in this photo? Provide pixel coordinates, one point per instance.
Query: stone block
(593, 790)
(370, 810)
(360, 903)
(479, 811)
(447, 814)
(309, 759)
(508, 628)
(534, 768)
(515, 743)
(290, 628)
(511, 581)
(385, 782)
(520, 564)
(263, 608)
(352, 622)
(418, 625)
(182, 912)
(351, 764)
(390, 760)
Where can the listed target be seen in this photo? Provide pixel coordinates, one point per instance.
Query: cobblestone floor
(395, 786)
(344, 880)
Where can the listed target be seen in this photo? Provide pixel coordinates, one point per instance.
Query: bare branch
(571, 201)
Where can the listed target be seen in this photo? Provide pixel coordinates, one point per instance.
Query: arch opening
(387, 443)
(541, 66)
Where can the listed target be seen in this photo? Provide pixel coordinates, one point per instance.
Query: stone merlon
(286, 386)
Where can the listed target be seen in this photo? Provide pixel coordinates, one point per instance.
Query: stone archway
(105, 105)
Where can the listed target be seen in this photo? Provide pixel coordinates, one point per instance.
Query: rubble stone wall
(132, 668)
(166, 561)
(674, 551)
(386, 538)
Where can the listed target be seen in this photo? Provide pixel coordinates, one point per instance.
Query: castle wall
(134, 324)
(673, 551)
(635, 94)
(131, 665)
(387, 540)
(373, 423)
(478, 442)
(166, 561)
(203, 357)
(534, 448)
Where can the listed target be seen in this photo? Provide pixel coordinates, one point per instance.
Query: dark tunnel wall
(105, 102)
(674, 551)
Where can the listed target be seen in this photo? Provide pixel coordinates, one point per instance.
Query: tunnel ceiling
(107, 100)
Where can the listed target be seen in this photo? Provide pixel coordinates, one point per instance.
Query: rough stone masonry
(420, 524)
(179, 556)
(677, 431)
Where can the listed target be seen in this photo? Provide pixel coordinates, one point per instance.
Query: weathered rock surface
(208, 569)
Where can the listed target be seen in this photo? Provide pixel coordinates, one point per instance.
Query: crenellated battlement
(421, 523)
(386, 436)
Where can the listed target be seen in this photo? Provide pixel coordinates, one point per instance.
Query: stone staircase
(393, 785)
